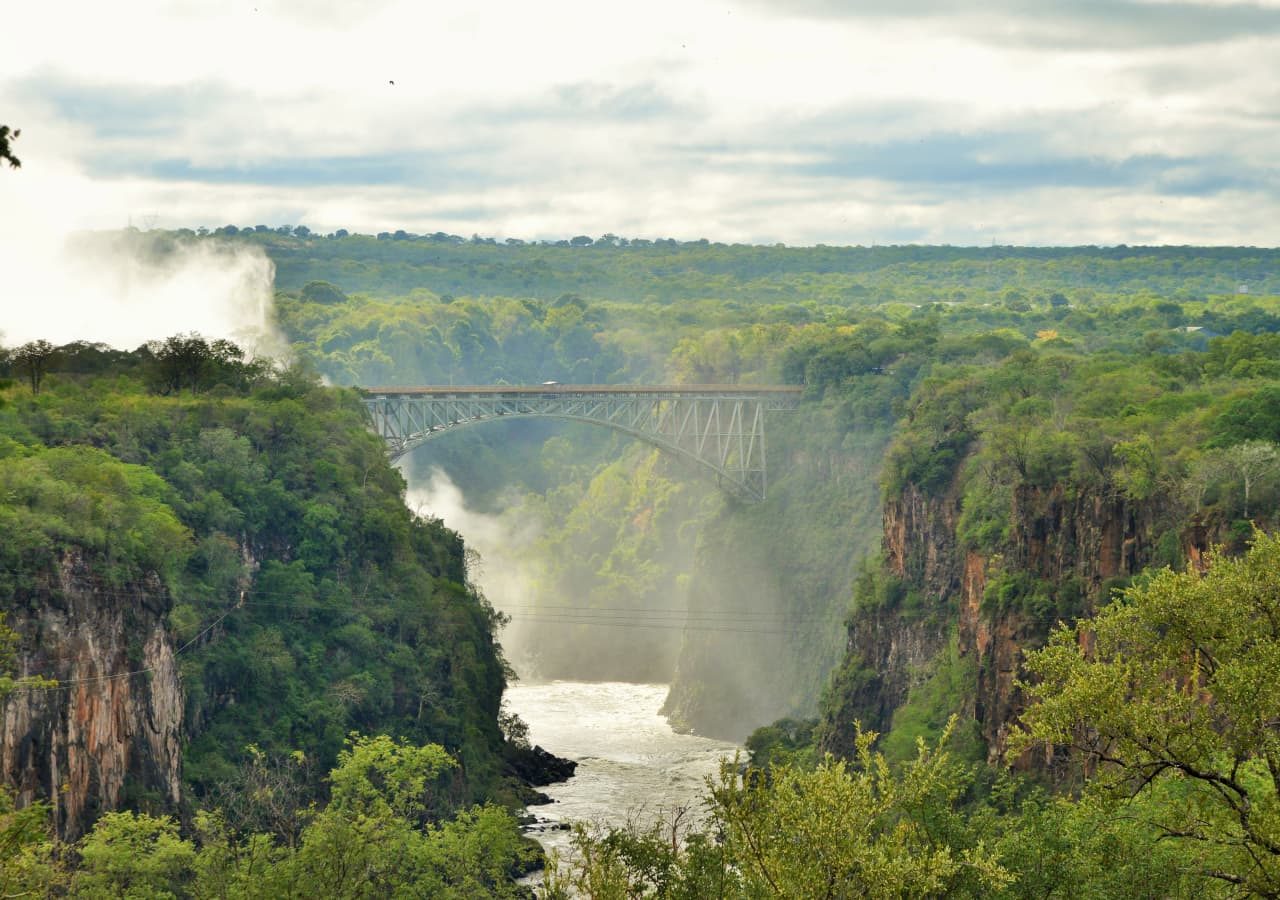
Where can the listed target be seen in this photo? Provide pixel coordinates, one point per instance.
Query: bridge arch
(720, 428)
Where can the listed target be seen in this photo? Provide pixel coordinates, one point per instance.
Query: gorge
(235, 590)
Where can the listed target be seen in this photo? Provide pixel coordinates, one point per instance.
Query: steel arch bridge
(719, 427)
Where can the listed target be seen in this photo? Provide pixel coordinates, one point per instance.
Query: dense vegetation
(356, 615)
(375, 837)
(1035, 448)
(664, 271)
(1010, 380)
(1167, 698)
(310, 605)
(872, 332)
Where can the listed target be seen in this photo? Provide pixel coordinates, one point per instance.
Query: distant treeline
(666, 271)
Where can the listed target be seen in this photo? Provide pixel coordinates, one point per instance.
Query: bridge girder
(720, 428)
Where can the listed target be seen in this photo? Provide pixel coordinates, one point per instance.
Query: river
(631, 765)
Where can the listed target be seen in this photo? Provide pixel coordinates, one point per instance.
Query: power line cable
(99, 679)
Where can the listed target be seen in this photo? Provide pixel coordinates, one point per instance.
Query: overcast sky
(1098, 121)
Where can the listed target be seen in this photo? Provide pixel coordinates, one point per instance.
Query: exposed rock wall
(97, 737)
(1073, 543)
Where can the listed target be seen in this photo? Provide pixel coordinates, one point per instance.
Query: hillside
(242, 546)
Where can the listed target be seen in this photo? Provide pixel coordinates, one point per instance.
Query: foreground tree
(860, 830)
(133, 855)
(838, 830)
(29, 863)
(7, 137)
(1174, 691)
(376, 838)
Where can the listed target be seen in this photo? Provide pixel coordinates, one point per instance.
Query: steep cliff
(262, 526)
(1021, 493)
(97, 740)
(1063, 553)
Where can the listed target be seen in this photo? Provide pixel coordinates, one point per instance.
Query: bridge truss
(718, 427)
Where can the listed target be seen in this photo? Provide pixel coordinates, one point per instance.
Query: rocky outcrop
(886, 653)
(1067, 547)
(101, 736)
(534, 767)
(919, 541)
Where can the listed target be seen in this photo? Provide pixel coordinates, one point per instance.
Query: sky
(803, 122)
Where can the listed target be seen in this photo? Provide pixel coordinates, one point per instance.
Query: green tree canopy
(1174, 688)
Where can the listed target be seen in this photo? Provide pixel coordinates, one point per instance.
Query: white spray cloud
(116, 287)
(503, 543)
(110, 291)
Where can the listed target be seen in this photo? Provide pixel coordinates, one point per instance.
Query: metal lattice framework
(720, 427)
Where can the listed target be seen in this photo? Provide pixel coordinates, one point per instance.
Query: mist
(128, 287)
(503, 570)
(577, 612)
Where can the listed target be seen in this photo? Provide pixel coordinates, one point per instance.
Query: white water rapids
(631, 765)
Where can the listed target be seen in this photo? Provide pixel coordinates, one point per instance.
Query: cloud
(116, 290)
(421, 169)
(681, 118)
(502, 566)
(1000, 161)
(124, 110)
(1072, 25)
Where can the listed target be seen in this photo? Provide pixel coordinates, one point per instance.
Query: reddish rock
(82, 745)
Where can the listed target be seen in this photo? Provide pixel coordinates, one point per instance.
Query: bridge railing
(717, 426)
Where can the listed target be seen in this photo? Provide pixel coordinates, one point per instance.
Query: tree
(1255, 416)
(839, 830)
(189, 362)
(133, 855)
(7, 137)
(1251, 460)
(35, 358)
(861, 830)
(268, 793)
(29, 863)
(322, 292)
(376, 838)
(1172, 690)
(377, 775)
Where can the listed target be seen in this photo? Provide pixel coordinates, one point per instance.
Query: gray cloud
(1076, 24)
(418, 169)
(129, 111)
(1002, 161)
(141, 129)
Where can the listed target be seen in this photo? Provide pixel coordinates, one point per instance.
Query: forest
(310, 614)
(1048, 476)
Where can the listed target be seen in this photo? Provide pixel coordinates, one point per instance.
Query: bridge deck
(745, 390)
(718, 426)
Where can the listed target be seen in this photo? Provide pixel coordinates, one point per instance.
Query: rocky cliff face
(1068, 547)
(97, 737)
